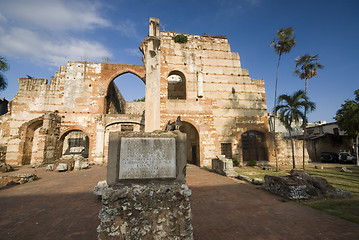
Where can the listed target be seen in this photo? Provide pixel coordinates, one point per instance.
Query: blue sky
(38, 36)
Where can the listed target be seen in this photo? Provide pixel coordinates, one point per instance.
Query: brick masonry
(216, 99)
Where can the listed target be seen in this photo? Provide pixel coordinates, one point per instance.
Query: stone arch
(114, 102)
(193, 146)
(74, 141)
(31, 141)
(254, 146)
(176, 86)
(110, 71)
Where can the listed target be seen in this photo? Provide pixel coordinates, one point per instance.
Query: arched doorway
(254, 146)
(193, 155)
(32, 154)
(126, 87)
(74, 142)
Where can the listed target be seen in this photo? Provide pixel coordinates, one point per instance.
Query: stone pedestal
(146, 196)
(146, 211)
(223, 166)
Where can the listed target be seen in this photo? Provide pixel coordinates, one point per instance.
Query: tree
(3, 67)
(306, 68)
(348, 119)
(282, 43)
(291, 110)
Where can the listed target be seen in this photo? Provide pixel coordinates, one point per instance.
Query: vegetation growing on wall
(140, 99)
(180, 38)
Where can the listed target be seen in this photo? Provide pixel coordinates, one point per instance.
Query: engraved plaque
(147, 158)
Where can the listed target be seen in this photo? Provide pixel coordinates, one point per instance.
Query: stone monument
(147, 196)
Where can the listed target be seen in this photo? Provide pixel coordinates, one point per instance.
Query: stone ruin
(146, 196)
(223, 110)
(224, 166)
(301, 185)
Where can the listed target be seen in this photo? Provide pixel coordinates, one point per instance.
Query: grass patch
(341, 180)
(347, 209)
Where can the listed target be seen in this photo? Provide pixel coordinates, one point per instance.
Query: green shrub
(235, 162)
(140, 99)
(252, 163)
(180, 38)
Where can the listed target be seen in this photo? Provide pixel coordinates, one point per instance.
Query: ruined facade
(223, 110)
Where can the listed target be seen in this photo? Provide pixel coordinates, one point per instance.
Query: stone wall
(221, 100)
(135, 108)
(284, 151)
(78, 94)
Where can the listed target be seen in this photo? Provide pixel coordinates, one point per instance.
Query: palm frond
(3, 83)
(3, 64)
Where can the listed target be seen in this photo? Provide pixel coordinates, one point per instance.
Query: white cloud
(39, 30)
(23, 43)
(2, 18)
(128, 28)
(54, 15)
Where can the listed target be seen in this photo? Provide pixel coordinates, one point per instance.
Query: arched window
(176, 88)
(254, 146)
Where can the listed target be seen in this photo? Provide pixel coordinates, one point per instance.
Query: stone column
(100, 143)
(151, 50)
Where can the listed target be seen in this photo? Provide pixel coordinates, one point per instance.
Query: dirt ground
(62, 206)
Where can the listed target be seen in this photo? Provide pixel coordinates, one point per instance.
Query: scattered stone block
(50, 167)
(257, 181)
(4, 167)
(81, 164)
(319, 167)
(224, 166)
(21, 178)
(62, 167)
(344, 169)
(100, 188)
(300, 185)
(245, 178)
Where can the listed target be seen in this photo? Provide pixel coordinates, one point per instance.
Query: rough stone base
(21, 178)
(300, 185)
(146, 211)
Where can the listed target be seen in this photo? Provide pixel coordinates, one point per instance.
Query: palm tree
(291, 109)
(282, 43)
(3, 67)
(306, 68)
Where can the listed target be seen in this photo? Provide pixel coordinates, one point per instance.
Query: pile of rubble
(300, 185)
(4, 167)
(69, 163)
(20, 178)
